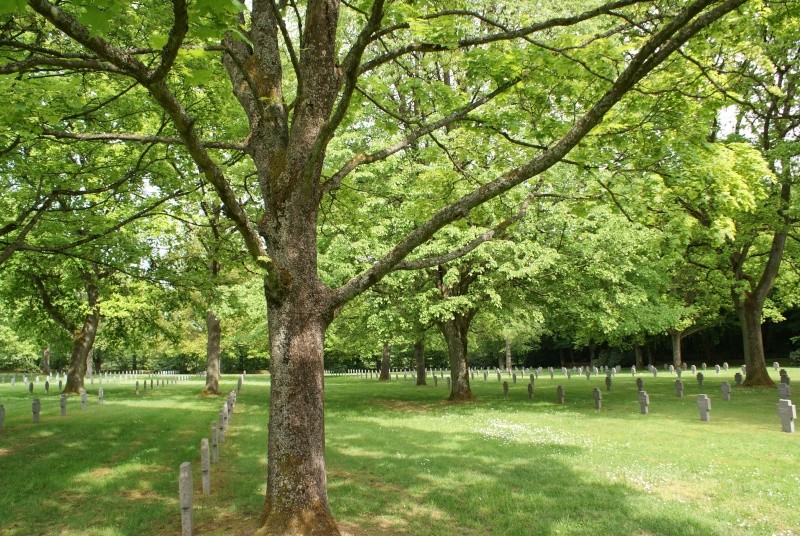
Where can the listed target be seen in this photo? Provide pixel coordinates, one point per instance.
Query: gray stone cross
(644, 403)
(530, 389)
(788, 414)
(608, 383)
(639, 384)
(700, 378)
(704, 407)
(784, 391)
(560, 394)
(598, 398)
(726, 391)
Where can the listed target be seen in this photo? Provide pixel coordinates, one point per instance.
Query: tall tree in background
(307, 133)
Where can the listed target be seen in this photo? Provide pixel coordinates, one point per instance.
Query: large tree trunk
(82, 342)
(455, 334)
(419, 358)
(750, 318)
(297, 497)
(386, 361)
(214, 335)
(676, 336)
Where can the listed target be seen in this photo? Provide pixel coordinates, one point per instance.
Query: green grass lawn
(401, 460)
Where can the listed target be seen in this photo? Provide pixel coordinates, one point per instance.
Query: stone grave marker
(435, 381)
(788, 414)
(776, 365)
(654, 370)
(205, 466)
(551, 372)
(679, 388)
(505, 388)
(569, 374)
(644, 403)
(598, 398)
(485, 376)
(672, 369)
(530, 390)
(84, 399)
(60, 386)
(101, 397)
(499, 377)
(214, 442)
(744, 369)
(47, 387)
(726, 391)
(700, 378)
(13, 380)
(30, 387)
(448, 382)
(608, 383)
(560, 394)
(532, 378)
(633, 370)
(639, 384)
(151, 384)
(704, 407)
(185, 490)
(37, 408)
(738, 378)
(784, 391)
(679, 372)
(137, 387)
(588, 373)
(725, 365)
(221, 426)
(514, 378)
(785, 377)
(716, 369)
(144, 385)
(703, 365)
(63, 404)
(694, 369)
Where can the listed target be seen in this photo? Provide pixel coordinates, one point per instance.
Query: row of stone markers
(209, 453)
(786, 410)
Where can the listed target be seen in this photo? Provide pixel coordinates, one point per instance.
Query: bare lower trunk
(455, 334)
(46, 360)
(508, 353)
(214, 335)
(419, 358)
(297, 497)
(82, 341)
(676, 336)
(89, 364)
(750, 318)
(637, 351)
(386, 361)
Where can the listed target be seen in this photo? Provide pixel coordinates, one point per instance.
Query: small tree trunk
(508, 353)
(386, 361)
(46, 360)
(637, 351)
(82, 341)
(455, 334)
(214, 335)
(750, 318)
(419, 357)
(676, 336)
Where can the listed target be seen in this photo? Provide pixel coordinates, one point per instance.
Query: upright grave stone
(205, 466)
(784, 391)
(214, 442)
(60, 386)
(785, 377)
(694, 370)
(435, 381)
(532, 378)
(644, 403)
(716, 369)
(654, 370)
(63, 404)
(788, 414)
(485, 376)
(633, 370)
(505, 388)
(608, 383)
(47, 387)
(84, 399)
(499, 377)
(221, 427)
(744, 369)
(588, 373)
(704, 407)
(101, 397)
(560, 394)
(738, 378)
(700, 378)
(703, 365)
(551, 372)
(725, 365)
(679, 372)
(514, 378)
(37, 408)
(137, 387)
(726, 391)
(30, 387)
(776, 365)
(639, 385)
(598, 398)
(530, 390)
(672, 369)
(185, 490)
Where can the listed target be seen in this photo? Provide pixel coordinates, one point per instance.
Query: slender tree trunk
(753, 344)
(386, 361)
(214, 335)
(419, 357)
(637, 351)
(676, 336)
(46, 360)
(89, 363)
(455, 334)
(508, 353)
(82, 341)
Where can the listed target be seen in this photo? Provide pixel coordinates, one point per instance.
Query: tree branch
(139, 138)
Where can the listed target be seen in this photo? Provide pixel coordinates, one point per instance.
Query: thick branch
(139, 138)
(180, 26)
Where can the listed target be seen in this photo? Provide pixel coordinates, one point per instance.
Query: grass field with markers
(402, 460)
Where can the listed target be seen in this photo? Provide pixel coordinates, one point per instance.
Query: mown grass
(401, 460)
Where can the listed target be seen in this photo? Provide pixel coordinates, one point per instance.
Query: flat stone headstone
(700, 378)
(704, 407)
(784, 391)
(560, 394)
(726, 391)
(37, 408)
(598, 398)
(639, 384)
(788, 414)
(644, 403)
(608, 383)
(530, 390)
(185, 491)
(737, 378)
(205, 466)
(63, 404)
(505, 388)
